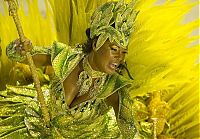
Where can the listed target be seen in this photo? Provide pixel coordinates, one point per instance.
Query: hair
(123, 67)
(87, 46)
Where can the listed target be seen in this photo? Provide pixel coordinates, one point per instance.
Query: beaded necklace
(86, 77)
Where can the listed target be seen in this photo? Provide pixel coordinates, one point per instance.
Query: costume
(154, 62)
(90, 119)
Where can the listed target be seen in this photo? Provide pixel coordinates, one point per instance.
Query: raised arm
(41, 55)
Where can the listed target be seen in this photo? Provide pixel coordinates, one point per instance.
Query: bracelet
(13, 54)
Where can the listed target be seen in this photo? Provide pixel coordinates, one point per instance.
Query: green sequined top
(21, 115)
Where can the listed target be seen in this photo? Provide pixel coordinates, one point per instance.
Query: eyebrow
(126, 50)
(113, 44)
(118, 46)
(123, 48)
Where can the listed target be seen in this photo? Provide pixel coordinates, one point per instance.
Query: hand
(23, 47)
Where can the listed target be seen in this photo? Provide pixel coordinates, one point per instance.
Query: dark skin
(106, 59)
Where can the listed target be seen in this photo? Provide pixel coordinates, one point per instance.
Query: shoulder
(57, 48)
(115, 83)
(61, 48)
(64, 58)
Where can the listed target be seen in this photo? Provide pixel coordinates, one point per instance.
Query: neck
(93, 73)
(91, 61)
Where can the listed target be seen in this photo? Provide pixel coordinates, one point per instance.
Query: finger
(27, 42)
(17, 41)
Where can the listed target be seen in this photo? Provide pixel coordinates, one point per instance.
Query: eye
(113, 49)
(125, 52)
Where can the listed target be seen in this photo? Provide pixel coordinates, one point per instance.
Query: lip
(113, 65)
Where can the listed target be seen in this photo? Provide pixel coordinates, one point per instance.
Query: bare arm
(71, 89)
(113, 101)
(42, 60)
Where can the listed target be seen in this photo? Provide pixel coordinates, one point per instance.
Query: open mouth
(113, 66)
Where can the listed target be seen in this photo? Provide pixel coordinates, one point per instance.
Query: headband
(113, 21)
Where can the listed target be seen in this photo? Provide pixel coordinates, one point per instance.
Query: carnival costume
(92, 118)
(137, 118)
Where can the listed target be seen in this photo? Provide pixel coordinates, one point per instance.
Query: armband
(13, 53)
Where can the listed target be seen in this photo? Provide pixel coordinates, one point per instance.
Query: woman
(88, 98)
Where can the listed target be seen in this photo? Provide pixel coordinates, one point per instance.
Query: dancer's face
(107, 58)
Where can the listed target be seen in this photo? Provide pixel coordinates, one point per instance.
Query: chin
(109, 71)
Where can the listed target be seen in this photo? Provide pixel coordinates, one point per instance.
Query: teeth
(114, 65)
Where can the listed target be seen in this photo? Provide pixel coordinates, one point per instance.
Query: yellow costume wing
(163, 55)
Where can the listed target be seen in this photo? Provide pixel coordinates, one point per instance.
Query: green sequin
(20, 114)
(113, 21)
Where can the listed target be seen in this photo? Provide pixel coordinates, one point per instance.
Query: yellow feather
(163, 51)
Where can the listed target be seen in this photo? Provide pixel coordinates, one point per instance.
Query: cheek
(107, 57)
(104, 54)
(108, 54)
(103, 59)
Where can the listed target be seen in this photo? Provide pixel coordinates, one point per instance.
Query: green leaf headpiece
(113, 21)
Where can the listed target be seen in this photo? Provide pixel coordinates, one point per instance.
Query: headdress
(113, 21)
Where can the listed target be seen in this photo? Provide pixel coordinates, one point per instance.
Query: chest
(70, 87)
(78, 87)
